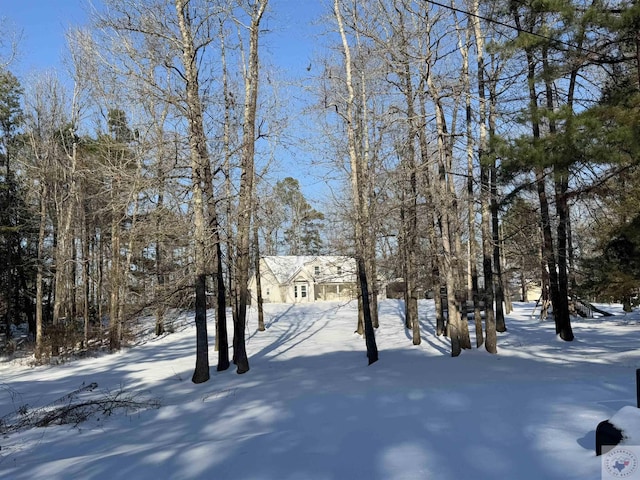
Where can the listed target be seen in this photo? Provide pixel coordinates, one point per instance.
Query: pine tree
(301, 222)
(15, 224)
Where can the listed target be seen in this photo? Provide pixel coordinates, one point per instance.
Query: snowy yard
(311, 408)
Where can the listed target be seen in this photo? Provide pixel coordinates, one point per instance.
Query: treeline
(488, 144)
(485, 147)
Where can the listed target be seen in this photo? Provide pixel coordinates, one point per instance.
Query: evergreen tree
(302, 223)
(609, 134)
(614, 276)
(16, 276)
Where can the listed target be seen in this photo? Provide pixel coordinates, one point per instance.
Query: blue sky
(290, 44)
(43, 24)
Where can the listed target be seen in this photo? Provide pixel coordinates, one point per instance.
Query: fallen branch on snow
(70, 409)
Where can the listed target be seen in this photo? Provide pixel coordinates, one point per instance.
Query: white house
(298, 279)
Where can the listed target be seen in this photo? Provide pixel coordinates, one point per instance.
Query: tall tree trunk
(448, 263)
(369, 334)
(159, 244)
(561, 312)
(558, 295)
(372, 268)
(403, 253)
(245, 204)
(214, 228)
(495, 220)
(545, 294)
(160, 277)
(86, 263)
(565, 247)
(99, 259)
(356, 188)
(360, 324)
(562, 317)
(64, 253)
(447, 215)
(485, 187)
(40, 269)
(367, 186)
(472, 250)
(199, 161)
(130, 248)
(221, 304)
(222, 340)
(226, 146)
(547, 247)
(410, 193)
(454, 314)
(115, 282)
(508, 294)
(432, 222)
(487, 252)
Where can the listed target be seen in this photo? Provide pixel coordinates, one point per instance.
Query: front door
(301, 292)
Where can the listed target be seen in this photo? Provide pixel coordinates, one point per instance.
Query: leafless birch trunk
(485, 193)
(245, 204)
(356, 189)
(472, 250)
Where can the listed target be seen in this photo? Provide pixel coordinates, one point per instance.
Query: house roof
(286, 267)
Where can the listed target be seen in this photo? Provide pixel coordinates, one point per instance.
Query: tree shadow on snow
(303, 414)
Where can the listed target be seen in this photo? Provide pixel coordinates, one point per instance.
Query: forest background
(468, 149)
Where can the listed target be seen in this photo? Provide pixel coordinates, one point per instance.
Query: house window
(295, 291)
(316, 270)
(303, 291)
(339, 270)
(267, 292)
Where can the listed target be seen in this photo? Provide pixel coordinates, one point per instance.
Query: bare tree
(9, 43)
(199, 161)
(472, 254)
(245, 205)
(160, 50)
(66, 205)
(485, 195)
(444, 195)
(45, 106)
(357, 188)
(409, 213)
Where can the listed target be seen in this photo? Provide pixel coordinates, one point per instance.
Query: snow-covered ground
(311, 408)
